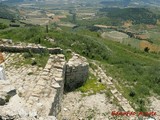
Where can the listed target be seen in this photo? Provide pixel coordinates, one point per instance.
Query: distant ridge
(126, 3)
(7, 12)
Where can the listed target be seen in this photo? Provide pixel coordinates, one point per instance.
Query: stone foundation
(29, 48)
(44, 99)
(38, 97)
(76, 72)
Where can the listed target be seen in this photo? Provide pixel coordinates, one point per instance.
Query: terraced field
(116, 36)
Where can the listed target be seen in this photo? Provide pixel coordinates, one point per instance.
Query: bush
(146, 49)
(143, 90)
(3, 26)
(27, 55)
(132, 93)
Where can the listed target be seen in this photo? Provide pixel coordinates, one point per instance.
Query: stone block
(76, 69)
(41, 82)
(55, 85)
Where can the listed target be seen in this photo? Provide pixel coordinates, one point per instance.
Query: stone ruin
(42, 99)
(76, 72)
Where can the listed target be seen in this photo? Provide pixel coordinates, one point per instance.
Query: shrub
(27, 55)
(132, 93)
(146, 49)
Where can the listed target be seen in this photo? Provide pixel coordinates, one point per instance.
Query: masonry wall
(44, 99)
(34, 49)
(76, 72)
(45, 96)
(58, 71)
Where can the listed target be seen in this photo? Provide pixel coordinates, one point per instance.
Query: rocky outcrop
(76, 72)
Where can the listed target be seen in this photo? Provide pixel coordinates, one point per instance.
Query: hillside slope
(7, 12)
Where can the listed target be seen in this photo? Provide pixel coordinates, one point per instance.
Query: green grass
(28, 58)
(5, 21)
(133, 69)
(93, 66)
(68, 54)
(86, 46)
(40, 59)
(132, 42)
(27, 35)
(155, 37)
(92, 86)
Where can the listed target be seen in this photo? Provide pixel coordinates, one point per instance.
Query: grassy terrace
(92, 86)
(137, 72)
(28, 58)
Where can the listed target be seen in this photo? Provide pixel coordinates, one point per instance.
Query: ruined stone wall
(40, 97)
(76, 72)
(58, 71)
(43, 98)
(34, 49)
(49, 88)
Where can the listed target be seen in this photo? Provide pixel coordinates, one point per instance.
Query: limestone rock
(15, 108)
(56, 85)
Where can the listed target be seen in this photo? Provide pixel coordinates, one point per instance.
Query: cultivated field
(116, 36)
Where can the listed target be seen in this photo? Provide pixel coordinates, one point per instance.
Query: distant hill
(126, 3)
(11, 1)
(136, 15)
(7, 12)
(118, 3)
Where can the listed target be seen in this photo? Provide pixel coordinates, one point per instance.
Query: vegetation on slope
(6, 12)
(86, 46)
(137, 72)
(136, 15)
(3, 26)
(92, 86)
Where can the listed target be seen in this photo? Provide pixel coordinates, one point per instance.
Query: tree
(132, 93)
(74, 18)
(146, 49)
(3, 26)
(46, 28)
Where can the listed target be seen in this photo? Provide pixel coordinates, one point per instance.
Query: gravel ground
(94, 107)
(155, 106)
